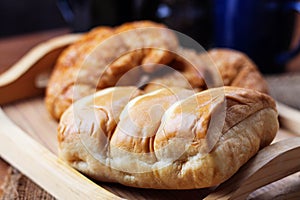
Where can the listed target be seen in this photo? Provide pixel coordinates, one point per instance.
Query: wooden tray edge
(43, 167)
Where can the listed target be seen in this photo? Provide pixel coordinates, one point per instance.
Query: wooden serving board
(28, 142)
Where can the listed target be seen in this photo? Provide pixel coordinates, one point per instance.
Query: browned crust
(237, 69)
(85, 62)
(100, 59)
(179, 149)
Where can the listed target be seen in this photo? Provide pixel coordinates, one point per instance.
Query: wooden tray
(28, 142)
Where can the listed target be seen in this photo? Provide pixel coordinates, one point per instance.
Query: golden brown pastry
(102, 56)
(124, 55)
(217, 67)
(237, 69)
(170, 138)
(187, 70)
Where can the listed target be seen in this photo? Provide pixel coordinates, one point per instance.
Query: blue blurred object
(261, 28)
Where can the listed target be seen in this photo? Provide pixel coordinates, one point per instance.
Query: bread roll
(170, 138)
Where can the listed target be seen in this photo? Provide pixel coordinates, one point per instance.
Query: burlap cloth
(284, 88)
(19, 187)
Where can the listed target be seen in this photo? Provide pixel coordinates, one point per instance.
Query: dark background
(18, 17)
(24, 16)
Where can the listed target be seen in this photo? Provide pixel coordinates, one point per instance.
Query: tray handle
(28, 77)
(272, 163)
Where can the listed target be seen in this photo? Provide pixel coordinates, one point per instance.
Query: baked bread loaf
(103, 56)
(171, 138)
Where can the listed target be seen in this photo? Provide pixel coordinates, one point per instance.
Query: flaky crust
(167, 139)
(102, 57)
(237, 69)
(217, 67)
